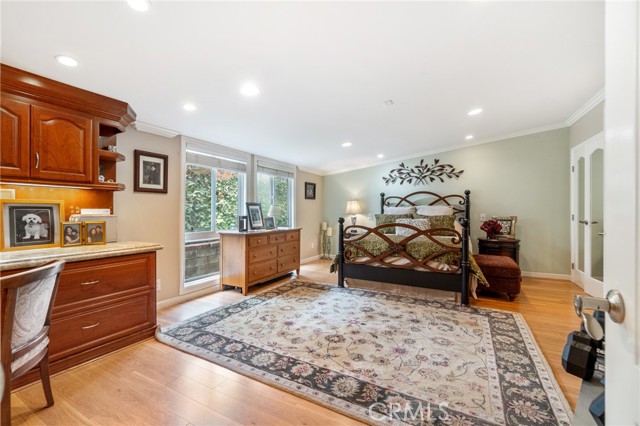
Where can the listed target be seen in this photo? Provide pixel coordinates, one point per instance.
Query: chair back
(26, 315)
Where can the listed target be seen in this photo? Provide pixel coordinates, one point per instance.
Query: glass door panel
(581, 213)
(597, 207)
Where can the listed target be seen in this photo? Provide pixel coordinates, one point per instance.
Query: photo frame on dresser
(256, 219)
(508, 224)
(30, 224)
(95, 232)
(71, 234)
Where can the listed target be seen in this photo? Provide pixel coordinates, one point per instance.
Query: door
(587, 202)
(621, 216)
(15, 149)
(61, 145)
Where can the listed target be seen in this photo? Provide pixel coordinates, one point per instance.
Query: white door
(621, 216)
(587, 202)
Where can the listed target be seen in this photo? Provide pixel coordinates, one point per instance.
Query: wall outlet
(483, 217)
(313, 245)
(158, 284)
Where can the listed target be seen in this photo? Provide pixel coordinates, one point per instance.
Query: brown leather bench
(502, 272)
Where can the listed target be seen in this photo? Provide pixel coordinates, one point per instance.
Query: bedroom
(513, 175)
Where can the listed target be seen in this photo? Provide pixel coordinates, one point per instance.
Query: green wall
(527, 176)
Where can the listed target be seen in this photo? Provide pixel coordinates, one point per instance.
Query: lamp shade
(275, 211)
(353, 207)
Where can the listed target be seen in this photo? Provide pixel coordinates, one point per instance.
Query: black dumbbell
(579, 358)
(584, 338)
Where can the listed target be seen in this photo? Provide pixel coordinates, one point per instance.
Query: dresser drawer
(277, 238)
(289, 249)
(85, 281)
(293, 236)
(288, 263)
(258, 240)
(262, 253)
(77, 333)
(262, 270)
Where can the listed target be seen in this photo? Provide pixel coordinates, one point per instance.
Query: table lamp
(275, 212)
(353, 208)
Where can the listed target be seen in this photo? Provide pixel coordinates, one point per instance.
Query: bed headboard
(426, 198)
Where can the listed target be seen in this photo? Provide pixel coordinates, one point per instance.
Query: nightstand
(500, 247)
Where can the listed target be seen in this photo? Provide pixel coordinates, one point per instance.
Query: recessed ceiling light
(475, 111)
(468, 137)
(67, 60)
(380, 155)
(189, 107)
(346, 144)
(139, 5)
(249, 89)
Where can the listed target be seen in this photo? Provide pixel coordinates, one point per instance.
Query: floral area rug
(382, 358)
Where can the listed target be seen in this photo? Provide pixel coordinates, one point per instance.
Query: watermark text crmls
(394, 410)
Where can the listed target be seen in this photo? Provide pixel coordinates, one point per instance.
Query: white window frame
(290, 171)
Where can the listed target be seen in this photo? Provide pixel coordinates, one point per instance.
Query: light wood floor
(153, 384)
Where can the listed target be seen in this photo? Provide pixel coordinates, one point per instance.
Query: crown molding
(312, 171)
(155, 130)
(584, 109)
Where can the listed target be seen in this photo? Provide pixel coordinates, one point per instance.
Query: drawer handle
(90, 282)
(91, 326)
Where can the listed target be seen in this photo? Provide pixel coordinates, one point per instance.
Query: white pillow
(418, 223)
(434, 210)
(400, 210)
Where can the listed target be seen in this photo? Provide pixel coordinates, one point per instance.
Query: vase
(490, 235)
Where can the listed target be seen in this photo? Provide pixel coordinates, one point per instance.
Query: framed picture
(309, 190)
(242, 223)
(95, 232)
(151, 172)
(30, 224)
(71, 234)
(508, 224)
(269, 222)
(254, 211)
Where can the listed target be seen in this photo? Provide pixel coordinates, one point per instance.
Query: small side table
(500, 247)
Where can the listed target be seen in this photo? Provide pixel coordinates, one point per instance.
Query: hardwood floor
(153, 384)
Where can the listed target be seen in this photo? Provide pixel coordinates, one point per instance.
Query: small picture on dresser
(269, 222)
(95, 232)
(71, 233)
(29, 224)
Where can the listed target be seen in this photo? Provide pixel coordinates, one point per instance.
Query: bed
(407, 251)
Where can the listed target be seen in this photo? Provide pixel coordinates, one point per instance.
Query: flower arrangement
(491, 227)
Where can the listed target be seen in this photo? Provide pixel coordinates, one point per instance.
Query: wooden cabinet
(51, 131)
(500, 247)
(101, 305)
(253, 257)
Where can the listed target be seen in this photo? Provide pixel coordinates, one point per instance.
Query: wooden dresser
(253, 257)
(104, 303)
(500, 247)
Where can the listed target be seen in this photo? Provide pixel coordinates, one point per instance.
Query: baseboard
(547, 276)
(186, 297)
(310, 259)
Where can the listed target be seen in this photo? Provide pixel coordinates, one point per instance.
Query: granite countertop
(30, 258)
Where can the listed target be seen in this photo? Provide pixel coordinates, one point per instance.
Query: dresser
(106, 299)
(500, 247)
(253, 257)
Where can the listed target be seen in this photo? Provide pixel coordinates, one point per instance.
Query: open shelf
(110, 156)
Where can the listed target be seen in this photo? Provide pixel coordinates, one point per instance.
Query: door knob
(612, 304)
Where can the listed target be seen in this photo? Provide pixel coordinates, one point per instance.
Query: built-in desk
(106, 299)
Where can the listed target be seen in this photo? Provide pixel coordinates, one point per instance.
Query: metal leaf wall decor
(422, 173)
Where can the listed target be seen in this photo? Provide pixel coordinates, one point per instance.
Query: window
(215, 194)
(275, 188)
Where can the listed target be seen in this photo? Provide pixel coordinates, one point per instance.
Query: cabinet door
(61, 145)
(14, 148)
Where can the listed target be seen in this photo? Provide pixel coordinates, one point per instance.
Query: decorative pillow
(434, 210)
(383, 219)
(418, 223)
(400, 210)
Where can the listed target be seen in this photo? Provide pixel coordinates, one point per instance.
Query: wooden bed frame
(456, 280)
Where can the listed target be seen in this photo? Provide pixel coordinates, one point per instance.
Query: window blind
(275, 169)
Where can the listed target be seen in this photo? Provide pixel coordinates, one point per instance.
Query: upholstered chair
(27, 302)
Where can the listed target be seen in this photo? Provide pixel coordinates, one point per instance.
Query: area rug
(382, 358)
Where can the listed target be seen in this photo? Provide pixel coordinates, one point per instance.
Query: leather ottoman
(502, 272)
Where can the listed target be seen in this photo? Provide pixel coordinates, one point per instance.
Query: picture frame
(151, 172)
(269, 222)
(30, 224)
(309, 191)
(95, 232)
(242, 223)
(71, 234)
(508, 224)
(254, 213)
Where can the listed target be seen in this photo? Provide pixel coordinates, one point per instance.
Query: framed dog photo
(150, 172)
(30, 224)
(95, 232)
(71, 234)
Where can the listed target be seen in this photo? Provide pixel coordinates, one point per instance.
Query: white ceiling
(324, 69)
